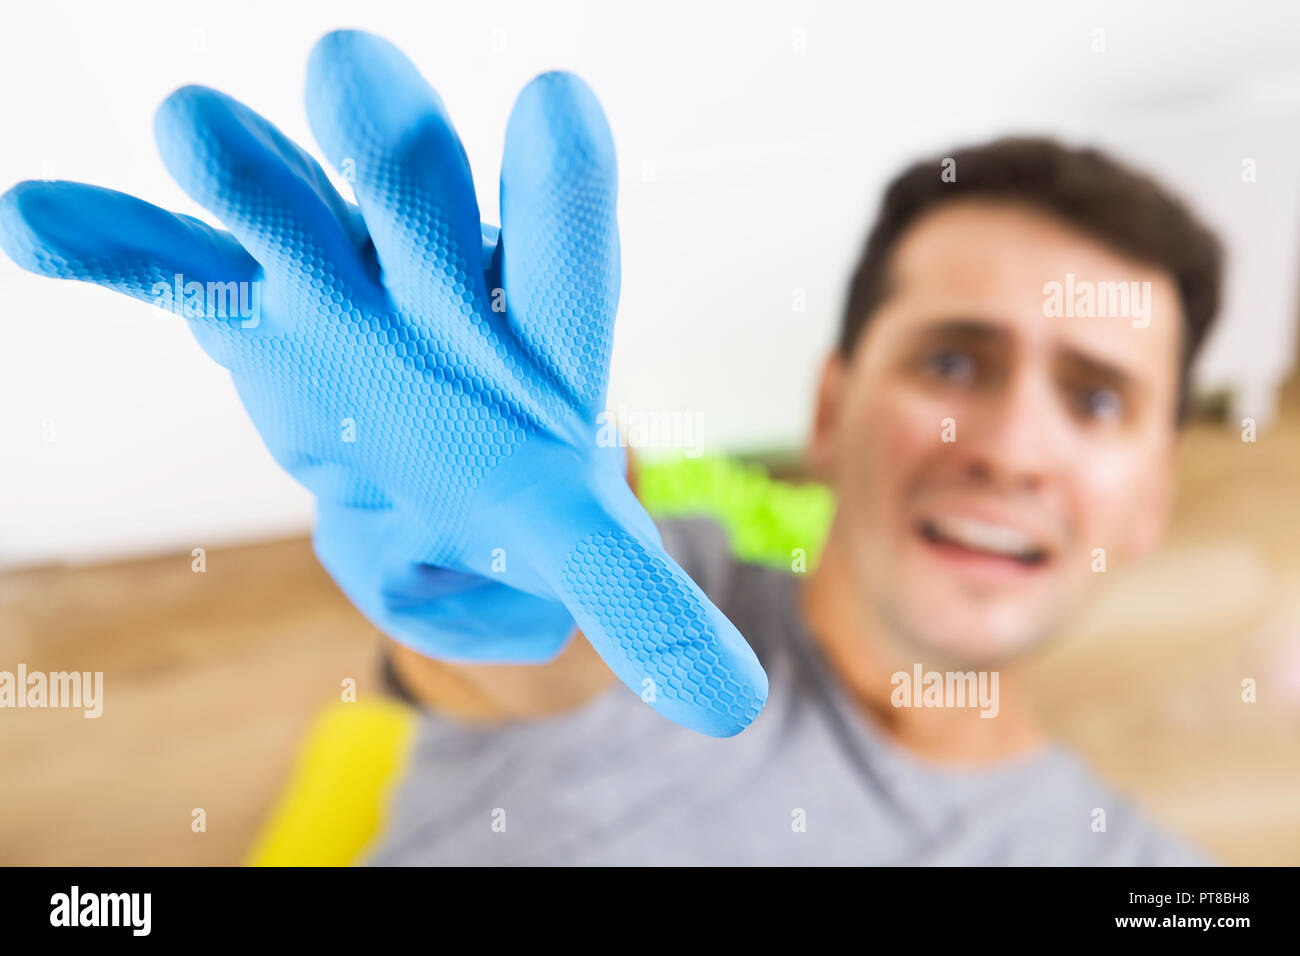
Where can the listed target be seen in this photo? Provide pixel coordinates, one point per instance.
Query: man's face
(982, 451)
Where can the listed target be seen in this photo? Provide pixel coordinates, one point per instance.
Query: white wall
(753, 140)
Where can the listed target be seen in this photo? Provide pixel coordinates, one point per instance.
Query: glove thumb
(594, 548)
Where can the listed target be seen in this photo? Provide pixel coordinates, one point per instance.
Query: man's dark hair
(1083, 187)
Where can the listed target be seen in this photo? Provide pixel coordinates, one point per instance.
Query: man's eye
(951, 365)
(1101, 404)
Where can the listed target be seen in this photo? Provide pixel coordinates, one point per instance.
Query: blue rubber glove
(433, 383)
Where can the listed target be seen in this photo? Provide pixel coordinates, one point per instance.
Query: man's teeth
(981, 536)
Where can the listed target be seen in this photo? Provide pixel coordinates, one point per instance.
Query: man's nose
(1013, 436)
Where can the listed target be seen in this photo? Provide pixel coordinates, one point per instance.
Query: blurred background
(754, 140)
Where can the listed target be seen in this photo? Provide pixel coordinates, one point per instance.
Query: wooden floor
(212, 678)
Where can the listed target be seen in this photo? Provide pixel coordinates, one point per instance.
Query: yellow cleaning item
(338, 795)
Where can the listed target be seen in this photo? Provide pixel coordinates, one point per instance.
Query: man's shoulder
(701, 546)
(1118, 831)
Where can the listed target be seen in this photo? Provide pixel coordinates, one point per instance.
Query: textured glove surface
(434, 382)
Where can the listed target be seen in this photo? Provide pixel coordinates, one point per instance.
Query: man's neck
(865, 656)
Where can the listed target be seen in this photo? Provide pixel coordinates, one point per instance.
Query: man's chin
(972, 637)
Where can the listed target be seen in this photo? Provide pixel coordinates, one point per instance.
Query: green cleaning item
(768, 521)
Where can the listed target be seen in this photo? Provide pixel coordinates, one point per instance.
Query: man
(999, 415)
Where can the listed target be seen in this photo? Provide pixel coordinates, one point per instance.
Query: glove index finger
(560, 263)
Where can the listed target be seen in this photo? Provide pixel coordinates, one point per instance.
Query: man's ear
(826, 414)
(1156, 500)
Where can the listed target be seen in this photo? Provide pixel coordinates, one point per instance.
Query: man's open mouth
(982, 538)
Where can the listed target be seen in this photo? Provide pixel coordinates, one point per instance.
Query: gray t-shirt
(811, 781)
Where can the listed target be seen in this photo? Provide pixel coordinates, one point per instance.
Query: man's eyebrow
(1113, 375)
(962, 330)
(978, 331)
